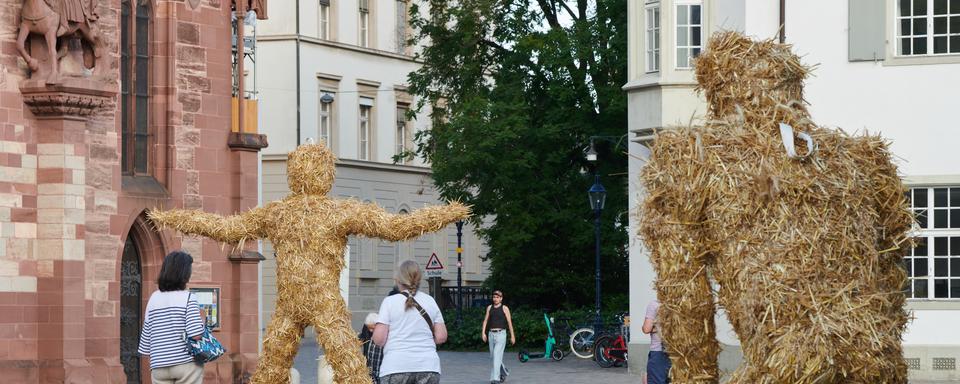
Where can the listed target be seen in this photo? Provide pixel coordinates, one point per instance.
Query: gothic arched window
(134, 86)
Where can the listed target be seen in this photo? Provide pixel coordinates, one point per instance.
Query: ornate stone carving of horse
(53, 20)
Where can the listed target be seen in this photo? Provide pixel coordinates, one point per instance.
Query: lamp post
(598, 196)
(459, 270)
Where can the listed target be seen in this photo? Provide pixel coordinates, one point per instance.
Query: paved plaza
(474, 368)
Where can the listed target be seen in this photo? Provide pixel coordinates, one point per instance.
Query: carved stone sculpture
(309, 232)
(56, 21)
(803, 242)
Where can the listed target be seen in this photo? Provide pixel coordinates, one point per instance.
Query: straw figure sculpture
(804, 247)
(309, 231)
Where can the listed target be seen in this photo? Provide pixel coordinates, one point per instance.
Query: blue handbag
(206, 349)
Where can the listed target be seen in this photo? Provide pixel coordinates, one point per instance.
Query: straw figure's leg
(672, 228)
(280, 346)
(340, 344)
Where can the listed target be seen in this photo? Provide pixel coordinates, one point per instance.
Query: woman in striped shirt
(171, 313)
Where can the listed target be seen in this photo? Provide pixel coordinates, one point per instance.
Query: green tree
(517, 88)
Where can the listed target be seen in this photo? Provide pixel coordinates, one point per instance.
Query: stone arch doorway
(131, 297)
(141, 257)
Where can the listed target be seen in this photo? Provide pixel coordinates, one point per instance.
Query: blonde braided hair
(408, 277)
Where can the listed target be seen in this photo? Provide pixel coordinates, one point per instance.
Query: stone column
(61, 112)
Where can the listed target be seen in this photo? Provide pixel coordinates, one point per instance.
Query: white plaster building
(888, 66)
(336, 70)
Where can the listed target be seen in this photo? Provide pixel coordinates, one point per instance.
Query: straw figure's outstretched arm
(892, 207)
(372, 221)
(671, 228)
(230, 229)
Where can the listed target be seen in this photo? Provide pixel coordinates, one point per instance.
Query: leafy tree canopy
(516, 89)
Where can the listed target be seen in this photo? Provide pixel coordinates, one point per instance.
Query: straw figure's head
(310, 170)
(737, 71)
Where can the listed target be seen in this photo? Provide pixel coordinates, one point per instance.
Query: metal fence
(472, 297)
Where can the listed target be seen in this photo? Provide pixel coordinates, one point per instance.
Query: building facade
(144, 123)
(883, 66)
(337, 74)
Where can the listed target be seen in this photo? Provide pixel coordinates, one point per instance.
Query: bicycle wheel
(602, 345)
(581, 343)
(556, 355)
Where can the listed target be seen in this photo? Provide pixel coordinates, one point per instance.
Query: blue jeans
(658, 368)
(497, 341)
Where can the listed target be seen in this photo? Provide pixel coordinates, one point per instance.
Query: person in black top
(495, 325)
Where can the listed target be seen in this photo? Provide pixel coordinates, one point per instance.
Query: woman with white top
(171, 313)
(409, 328)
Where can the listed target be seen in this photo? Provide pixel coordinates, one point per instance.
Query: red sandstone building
(83, 155)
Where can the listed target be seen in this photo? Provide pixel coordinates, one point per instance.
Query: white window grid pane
(937, 38)
(324, 24)
(364, 132)
(653, 39)
(325, 123)
(686, 50)
(942, 247)
(398, 144)
(364, 28)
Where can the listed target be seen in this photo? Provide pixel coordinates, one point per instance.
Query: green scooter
(550, 352)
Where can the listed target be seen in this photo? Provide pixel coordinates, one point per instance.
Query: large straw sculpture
(804, 249)
(309, 231)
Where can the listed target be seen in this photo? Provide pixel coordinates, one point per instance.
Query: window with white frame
(933, 265)
(326, 118)
(364, 38)
(323, 25)
(928, 27)
(403, 130)
(364, 126)
(402, 26)
(653, 37)
(689, 32)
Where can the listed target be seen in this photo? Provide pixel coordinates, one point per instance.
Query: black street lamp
(598, 196)
(459, 270)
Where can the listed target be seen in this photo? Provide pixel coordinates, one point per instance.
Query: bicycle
(580, 340)
(611, 349)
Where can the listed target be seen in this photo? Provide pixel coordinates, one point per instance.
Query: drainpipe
(298, 72)
(241, 106)
(783, 21)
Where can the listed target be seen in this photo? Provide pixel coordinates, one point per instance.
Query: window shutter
(866, 35)
(367, 102)
(364, 5)
(325, 2)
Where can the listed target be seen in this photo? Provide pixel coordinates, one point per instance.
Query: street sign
(434, 267)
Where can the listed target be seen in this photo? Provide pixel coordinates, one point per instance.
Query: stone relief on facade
(66, 31)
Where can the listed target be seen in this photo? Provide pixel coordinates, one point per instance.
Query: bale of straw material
(309, 231)
(805, 250)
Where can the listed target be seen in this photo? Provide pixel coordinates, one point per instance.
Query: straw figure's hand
(892, 206)
(372, 221)
(230, 229)
(672, 229)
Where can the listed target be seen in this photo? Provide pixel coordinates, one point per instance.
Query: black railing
(472, 297)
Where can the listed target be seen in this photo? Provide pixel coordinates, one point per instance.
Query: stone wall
(66, 209)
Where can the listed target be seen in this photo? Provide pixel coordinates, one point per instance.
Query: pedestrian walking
(171, 313)
(409, 328)
(658, 362)
(496, 323)
(372, 351)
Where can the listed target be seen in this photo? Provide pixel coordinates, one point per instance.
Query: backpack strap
(423, 312)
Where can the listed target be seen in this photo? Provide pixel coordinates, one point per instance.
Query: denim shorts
(658, 368)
